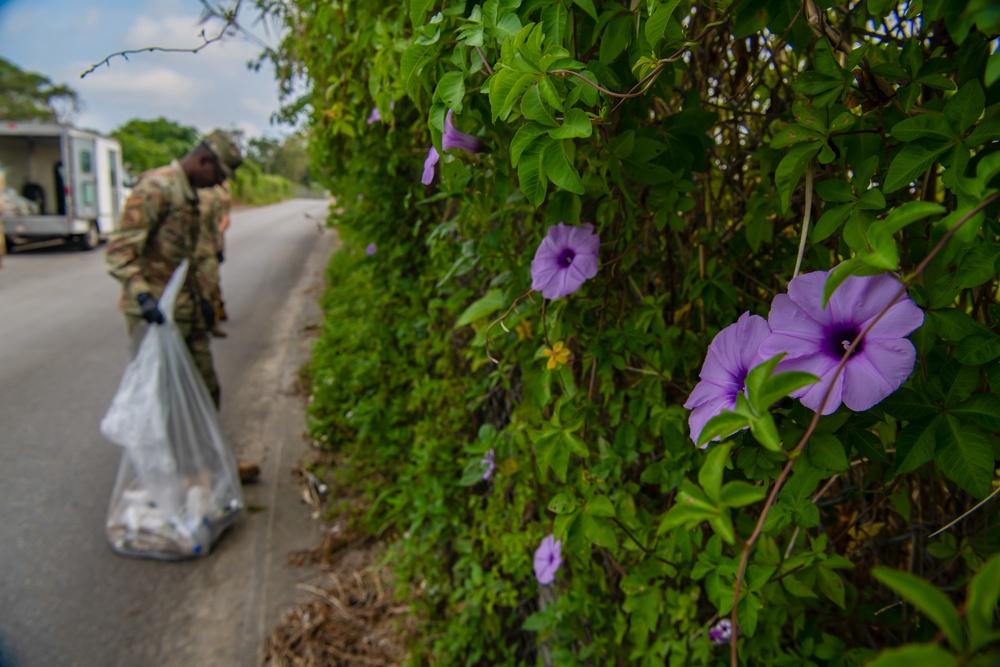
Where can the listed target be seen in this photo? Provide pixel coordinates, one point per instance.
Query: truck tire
(92, 238)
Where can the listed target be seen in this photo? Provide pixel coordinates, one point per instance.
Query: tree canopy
(30, 96)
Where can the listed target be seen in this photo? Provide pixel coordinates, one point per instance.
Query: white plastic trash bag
(178, 487)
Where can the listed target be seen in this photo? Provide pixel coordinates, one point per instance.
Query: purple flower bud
(488, 464)
(432, 159)
(370, 250)
(453, 138)
(374, 116)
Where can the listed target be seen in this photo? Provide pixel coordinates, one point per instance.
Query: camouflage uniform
(213, 204)
(160, 227)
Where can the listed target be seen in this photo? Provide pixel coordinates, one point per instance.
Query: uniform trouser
(198, 343)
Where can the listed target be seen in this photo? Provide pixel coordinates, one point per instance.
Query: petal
(432, 159)
(586, 265)
(903, 318)
(869, 295)
(806, 291)
(823, 367)
(877, 371)
(788, 317)
(792, 345)
(703, 413)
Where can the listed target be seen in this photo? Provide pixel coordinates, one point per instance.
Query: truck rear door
(83, 177)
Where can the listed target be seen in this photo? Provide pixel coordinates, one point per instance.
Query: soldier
(214, 210)
(159, 229)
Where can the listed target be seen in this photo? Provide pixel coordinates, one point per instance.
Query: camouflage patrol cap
(225, 150)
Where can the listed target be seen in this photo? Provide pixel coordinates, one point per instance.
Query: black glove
(220, 256)
(208, 313)
(150, 311)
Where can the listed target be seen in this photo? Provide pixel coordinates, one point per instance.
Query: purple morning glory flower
(565, 259)
(548, 560)
(815, 338)
(488, 464)
(432, 159)
(375, 116)
(733, 353)
(453, 138)
(370, 250)
(721, 632)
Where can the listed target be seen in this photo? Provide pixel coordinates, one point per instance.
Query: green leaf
(414, 58)
(418, 11)
(555, 18)
(977, 266)
(530, 173)
(792, 168)
(563, 504)
(965, 106)
(915, 445)
(831, 585)
(656, 25)
(575, 124)
(965, 454)
(600, 506)
(830, 221)
(952, 324)
(984, 592)
(925, 126)
(984, 409)
(915, 655)
(451, 90)
(911, 162)
(587, 6)
(490, 302)
(865, 443)
(559, 170)
(930, 601)
(835, 190)
(740, 494)
(852, 267)
(978, 349)
(533, 108)
(599, 531)
(523, 138)
(710, 475)
(722, 425)
(575, 444)
(506, 87)
(826, 453)
(615, 38)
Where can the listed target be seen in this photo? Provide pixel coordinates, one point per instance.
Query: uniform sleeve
(124, 258)
(206, 266)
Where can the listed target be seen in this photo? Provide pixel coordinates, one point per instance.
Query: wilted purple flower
(370, 250)
(721, 632)
(488, 464)
(548, 560)
(815, 338)
(453, 138)
(432, 159)
(732, 354)
(565, 259)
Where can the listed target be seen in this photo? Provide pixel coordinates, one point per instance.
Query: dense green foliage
(32, 96)
(148, 144)
(701, 140)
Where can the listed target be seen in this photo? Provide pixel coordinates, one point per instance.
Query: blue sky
(61, 39)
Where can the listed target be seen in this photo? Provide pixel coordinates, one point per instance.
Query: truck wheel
(92, 238)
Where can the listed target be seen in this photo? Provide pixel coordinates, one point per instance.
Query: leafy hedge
(718, 149)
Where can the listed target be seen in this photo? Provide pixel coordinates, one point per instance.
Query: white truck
(72, 177)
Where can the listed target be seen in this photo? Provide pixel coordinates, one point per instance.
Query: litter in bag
(178, 486)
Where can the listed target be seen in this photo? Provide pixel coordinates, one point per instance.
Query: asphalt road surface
(66, 600)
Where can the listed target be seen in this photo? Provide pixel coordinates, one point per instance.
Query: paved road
(65, 599)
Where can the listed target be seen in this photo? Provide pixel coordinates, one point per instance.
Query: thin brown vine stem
(482, 57)
(794, 453)
(806, 215)
(230, 22)
(499, 320)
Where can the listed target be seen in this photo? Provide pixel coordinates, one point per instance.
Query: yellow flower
(557, 354)
(523, 330)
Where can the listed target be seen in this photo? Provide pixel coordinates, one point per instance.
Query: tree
(147, 144)
(31, 96)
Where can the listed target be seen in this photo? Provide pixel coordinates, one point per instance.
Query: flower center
(840, 338)
(566, 257)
